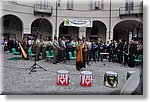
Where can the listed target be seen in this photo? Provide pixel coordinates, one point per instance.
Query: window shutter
(91, 4)
(71, 4)
(102, 4)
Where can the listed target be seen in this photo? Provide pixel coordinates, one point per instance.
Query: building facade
(112, 19)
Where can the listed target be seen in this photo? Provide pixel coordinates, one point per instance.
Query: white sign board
(78, 23)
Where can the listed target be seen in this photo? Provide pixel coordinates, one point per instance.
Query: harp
(22, 51)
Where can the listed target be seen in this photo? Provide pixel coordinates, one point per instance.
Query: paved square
(17, 80)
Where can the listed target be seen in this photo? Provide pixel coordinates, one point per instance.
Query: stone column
(109, 36)
(130, 36)
(57, 34)
(26, 31)
(82, 31)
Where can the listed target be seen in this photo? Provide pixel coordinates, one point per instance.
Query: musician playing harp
(25, 46)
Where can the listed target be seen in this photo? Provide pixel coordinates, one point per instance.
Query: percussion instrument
(110, 79)
(62, 77)
(86, 78)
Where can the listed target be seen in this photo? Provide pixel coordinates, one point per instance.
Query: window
(129, 6)
(96, 4)
(12, 1)
(70, 5)
(43, 4)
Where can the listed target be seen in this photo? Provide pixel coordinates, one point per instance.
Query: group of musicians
(86, 50)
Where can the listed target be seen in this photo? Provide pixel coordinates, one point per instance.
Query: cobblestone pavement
(17, 80)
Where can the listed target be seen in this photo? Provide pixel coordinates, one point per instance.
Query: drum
(86, 78)
(129, 73)
(111, 79)
(62, 77)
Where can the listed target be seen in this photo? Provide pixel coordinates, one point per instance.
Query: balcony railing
(137, 10)
(43, 9)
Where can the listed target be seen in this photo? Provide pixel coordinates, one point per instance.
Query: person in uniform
(50, 45)
(73, 46)
(37, 48)
(55, 48)
(63, 48)
(125, 53)
(44, 47)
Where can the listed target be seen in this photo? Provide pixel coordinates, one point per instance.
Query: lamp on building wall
(57, 5)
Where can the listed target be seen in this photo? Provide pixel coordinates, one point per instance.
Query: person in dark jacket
(94, 50)
(111, 50)
(132, 52)
(125, 53)
(100, 49)
(120, 51)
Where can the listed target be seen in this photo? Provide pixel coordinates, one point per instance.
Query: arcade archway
(42, 27)
(12, 27)
(127, 30)
(98, 30)
(68, 32)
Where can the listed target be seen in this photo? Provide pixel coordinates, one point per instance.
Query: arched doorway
(98, 30)
(12, 27)
(127, 30)
(41, 27)
(68, 32)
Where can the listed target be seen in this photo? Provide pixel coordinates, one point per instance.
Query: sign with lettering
(78, 23)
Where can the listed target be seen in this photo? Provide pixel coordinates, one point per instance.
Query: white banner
(78, 23)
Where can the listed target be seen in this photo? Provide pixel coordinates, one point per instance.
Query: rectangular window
(126, 6)
(43, 4)
(70, 5)
(96, 4)
(129, 6)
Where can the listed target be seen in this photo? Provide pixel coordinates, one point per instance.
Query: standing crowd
(85, 51)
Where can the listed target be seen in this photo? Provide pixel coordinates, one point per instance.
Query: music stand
(35, 65)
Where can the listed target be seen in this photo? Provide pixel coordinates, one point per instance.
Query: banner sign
(78, 23)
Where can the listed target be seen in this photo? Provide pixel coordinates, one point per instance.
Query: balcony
(43, 9)
(136, 11)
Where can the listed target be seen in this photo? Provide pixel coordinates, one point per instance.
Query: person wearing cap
(44, 46)
(63, 48)
(55, 48)
(37, 46)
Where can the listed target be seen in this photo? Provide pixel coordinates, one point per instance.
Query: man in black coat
(120, 51)
(132, 52)
(111, 49)
(100, 49)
